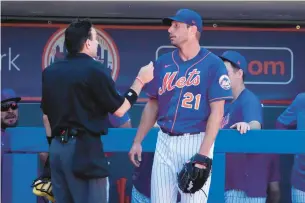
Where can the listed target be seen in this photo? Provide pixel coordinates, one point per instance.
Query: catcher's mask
(43, 188)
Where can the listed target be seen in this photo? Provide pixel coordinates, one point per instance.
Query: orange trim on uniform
(183, 87)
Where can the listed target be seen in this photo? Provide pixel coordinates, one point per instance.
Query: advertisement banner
(275, 56)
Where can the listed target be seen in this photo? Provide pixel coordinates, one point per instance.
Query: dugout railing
(20, 163)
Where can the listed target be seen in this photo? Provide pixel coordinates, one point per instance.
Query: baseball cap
(236, 58)
(9, 95)
(186, 16)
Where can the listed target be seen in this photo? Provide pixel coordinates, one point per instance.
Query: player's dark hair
(235, 69)
(76, 35)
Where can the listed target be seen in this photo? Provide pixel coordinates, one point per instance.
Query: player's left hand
(242, 127)
(194, 173)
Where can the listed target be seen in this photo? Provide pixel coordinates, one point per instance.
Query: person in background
(248, 176)
(288, 121)
(9, 113)
(9, 109)
(9, 119)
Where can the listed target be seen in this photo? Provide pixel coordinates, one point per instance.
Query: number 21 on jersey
(191, 101)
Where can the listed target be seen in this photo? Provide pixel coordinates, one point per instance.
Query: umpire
(77, 95)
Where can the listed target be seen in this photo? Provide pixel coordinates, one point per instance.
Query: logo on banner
(107, 52)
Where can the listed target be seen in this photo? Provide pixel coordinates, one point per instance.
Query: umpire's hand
(135, 154)
(146, 73)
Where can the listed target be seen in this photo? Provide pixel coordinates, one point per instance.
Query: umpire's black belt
(65, 134)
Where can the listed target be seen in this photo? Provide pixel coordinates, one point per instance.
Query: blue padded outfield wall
(22, 162)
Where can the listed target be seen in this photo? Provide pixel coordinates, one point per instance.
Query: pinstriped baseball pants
(297, 196)
(237, 196)
(170, 155)
(137, 197)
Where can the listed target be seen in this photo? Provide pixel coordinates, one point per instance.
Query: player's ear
(193, 30)
(240, 73)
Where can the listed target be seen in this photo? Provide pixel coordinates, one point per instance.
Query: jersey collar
(178, 59)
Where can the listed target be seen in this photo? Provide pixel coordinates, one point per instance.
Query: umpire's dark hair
(76, 35)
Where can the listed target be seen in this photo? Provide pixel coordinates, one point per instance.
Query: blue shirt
(185, 89)
(245, 108)
(116, 122)
(250, 173)
(288, 120)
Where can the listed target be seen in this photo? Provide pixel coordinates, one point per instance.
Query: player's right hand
(242, 127)
(135, 154)
(146, 73)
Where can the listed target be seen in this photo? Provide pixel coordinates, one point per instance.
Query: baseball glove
(43, 187)
(191, 179)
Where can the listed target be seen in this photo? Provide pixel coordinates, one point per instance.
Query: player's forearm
(213, 126)
(148, 119)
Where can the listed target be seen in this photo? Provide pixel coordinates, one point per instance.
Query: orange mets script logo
(107, 52)
(193, 79)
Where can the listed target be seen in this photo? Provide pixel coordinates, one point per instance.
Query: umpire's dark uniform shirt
(79, 92)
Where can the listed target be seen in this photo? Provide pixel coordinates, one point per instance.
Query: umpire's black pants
(66, 187)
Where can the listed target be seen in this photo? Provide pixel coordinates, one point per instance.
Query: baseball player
(248, 176)
(187, 97)
(288, 120)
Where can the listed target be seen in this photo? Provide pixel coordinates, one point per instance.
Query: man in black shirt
(77, 95)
